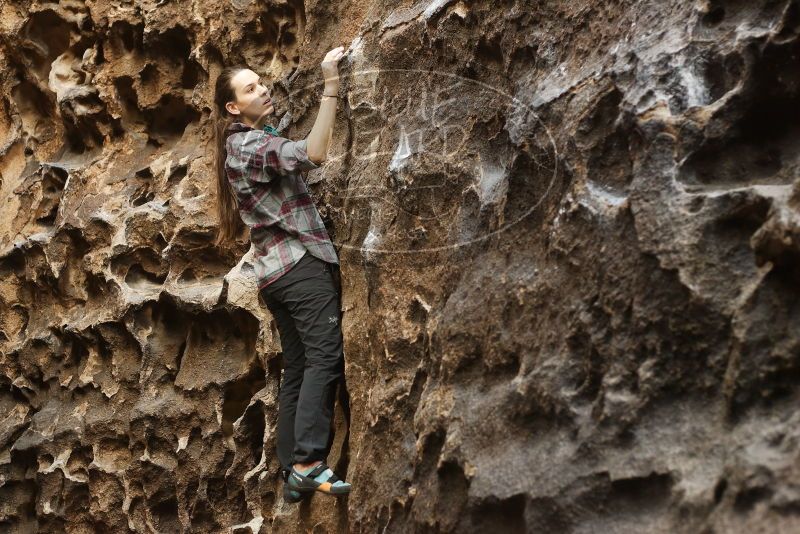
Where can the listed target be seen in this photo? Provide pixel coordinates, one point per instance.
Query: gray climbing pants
(305, 302)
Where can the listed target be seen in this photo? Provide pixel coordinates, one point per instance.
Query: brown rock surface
(570, 245)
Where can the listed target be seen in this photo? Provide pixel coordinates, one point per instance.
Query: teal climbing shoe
(318, 478)
(290, 495)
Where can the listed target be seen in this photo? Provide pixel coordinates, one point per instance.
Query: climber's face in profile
(252, 98)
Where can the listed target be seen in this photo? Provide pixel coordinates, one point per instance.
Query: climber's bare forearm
(319, 139)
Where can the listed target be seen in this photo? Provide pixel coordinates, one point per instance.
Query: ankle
(299, 465)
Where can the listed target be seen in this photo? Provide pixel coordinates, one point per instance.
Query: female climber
(296, 265)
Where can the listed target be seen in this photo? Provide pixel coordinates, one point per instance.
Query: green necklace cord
(270, 130)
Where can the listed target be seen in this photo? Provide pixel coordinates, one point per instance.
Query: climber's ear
(232, 108)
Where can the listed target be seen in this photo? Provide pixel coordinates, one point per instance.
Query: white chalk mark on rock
(492, 182)
(401, 155)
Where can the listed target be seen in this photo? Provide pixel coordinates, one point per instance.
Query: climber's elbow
(317, 159)
(316, 151)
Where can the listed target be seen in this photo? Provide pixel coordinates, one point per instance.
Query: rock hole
(529, 180)
(594, 372)
(192, 239)
(217, 490)
(191, 75)
(187, 276)
(761, 146)
(77, 355)
(790, 26)
(253, 427)
(190, 191)
(177, 174)
(13, 263)
(144, 173)
(49, 219)
(640, 492)
(719, 490)
(169, 118)
(745, 500)
(431, 449)
(35, 107)
(160, 242)
(238, 394)
(79, 461)
(696, 204)
(126, 37)
(721, 74)
(99, 58)
(500, 515)
(83, 114)
(138, 277)
(489, 51)
(96, 287)
(149, 74)
(172, 44)
(50, 35)
(165, 515)
(454, 487)
(129, 101)
(179, 359)
(142, 198)
(45, 460)
(714, 16)
(417, 312)
(600, 122)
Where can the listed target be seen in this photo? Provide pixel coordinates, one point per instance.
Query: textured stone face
(570, 245)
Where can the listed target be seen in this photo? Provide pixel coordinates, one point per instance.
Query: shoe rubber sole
(291, 496)
(301, 483)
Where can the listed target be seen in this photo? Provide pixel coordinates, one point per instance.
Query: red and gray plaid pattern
(264, 172)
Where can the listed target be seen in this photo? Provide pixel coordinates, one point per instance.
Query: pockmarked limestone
(569, 234)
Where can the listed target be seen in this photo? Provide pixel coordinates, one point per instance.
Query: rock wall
(570, 244)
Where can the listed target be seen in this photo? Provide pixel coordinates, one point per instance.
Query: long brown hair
(230, 224)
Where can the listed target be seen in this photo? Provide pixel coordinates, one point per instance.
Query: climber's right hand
(330, 65)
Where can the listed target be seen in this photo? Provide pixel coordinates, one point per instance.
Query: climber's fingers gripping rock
(330, 64)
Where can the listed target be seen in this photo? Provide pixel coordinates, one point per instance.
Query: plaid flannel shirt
(264, 172)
